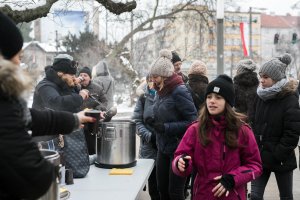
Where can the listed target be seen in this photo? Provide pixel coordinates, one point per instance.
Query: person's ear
(60, 74)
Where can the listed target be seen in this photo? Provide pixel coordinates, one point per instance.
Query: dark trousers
(284, 182)
(170, 186)
(152, 184)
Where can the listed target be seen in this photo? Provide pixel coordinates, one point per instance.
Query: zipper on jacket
(224, 150)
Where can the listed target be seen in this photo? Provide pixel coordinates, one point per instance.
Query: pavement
(271, 192)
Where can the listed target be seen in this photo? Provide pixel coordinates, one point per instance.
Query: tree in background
(86, 48)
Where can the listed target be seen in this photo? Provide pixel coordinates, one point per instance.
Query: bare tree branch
(29, 15)
(143, 26)
(118, 8)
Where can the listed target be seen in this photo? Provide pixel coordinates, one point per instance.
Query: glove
(153, 140)
(150, 121)
(227, 181)
(159, 127)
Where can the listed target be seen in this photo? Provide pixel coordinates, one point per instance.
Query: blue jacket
(143, 110)
(176, 111)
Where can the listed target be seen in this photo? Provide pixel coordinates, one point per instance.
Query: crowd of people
(222, 134)
(217, 135)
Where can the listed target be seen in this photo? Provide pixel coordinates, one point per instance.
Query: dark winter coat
(197, 85)
(53, 93)
(24, 173)
(245, 86)
(276, 126)
(143, 110)
(96, 91)
(215, 159)
(175, 111)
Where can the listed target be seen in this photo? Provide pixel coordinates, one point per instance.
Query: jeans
(170, 186)
(284, 182)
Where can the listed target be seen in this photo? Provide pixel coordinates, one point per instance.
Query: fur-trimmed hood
(290, 88)
(13, 80)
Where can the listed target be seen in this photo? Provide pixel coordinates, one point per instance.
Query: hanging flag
(244, 27)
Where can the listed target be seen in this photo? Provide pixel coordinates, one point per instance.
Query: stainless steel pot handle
(110, 134)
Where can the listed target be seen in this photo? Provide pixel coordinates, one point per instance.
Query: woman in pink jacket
(220, 147)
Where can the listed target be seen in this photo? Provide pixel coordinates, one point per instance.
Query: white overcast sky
(280, 7)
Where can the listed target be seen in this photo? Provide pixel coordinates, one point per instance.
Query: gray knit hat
(246, 65)
(198, 68)
(163, 66)
(276, 67)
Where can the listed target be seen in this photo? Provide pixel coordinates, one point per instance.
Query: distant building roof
(49, 48)
(277, 21)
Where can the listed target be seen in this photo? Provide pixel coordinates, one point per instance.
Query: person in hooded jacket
(276, 125)
(220, 147)
(173, 110)
(102, 76)
(24, 173)
(245, 84)
(148, 148)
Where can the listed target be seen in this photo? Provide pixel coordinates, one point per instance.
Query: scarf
(271, 92)
(169, 85)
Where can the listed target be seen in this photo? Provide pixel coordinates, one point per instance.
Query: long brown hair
(233, 123)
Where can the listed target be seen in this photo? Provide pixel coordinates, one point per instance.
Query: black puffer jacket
(176, 111)
(245, 86)
(276, 126)
(53, 93)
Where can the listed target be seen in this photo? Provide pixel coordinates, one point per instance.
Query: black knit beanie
(64, 63)
(222, 86)
(175, 57)
(87, 71)
(11, 40)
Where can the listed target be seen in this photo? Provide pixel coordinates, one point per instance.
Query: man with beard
(57, 91)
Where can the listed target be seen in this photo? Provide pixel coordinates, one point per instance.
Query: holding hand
(84, 94)
(183, 162)
(85, 119)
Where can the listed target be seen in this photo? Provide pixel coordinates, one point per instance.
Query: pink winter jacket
(244, 162)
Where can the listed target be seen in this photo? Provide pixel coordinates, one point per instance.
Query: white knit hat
(163, 66)
(246, 65)
(198, 68)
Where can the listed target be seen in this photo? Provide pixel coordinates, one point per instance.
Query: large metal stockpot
(115, 144)
(54, 158)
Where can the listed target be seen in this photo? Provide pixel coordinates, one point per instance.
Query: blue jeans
(284, 182)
